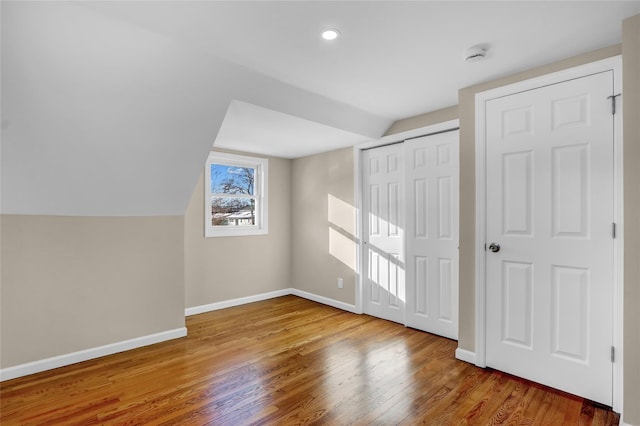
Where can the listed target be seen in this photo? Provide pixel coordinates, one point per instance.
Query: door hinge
(613, 354)
(613, 229)
(613, 102)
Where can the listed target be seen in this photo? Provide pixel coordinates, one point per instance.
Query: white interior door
(432, 233)
(383, 222)
(549, 288)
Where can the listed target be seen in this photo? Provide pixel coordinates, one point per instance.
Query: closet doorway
(548, 285)
(410, 198)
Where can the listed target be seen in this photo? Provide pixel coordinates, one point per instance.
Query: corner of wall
(213, 264)
(423, 120)
(631, 136)
(323, 225)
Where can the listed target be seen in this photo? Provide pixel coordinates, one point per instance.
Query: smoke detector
(475, 53)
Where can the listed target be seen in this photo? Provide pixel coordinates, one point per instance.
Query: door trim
(610, 64)
(357, 167)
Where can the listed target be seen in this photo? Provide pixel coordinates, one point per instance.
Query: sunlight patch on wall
(342, 248)
(342, 223)
(341, 214)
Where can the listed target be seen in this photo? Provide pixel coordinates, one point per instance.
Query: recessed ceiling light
(330, 34)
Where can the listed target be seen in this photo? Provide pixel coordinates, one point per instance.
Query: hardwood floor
(289, 361)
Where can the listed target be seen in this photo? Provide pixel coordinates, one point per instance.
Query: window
(235, 195)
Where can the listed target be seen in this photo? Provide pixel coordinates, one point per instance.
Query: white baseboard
(270, 295)
(125, 345)
(465, 355)
(325, 300)
(87, 354)
(235, 302)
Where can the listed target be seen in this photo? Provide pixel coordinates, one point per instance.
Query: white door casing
(550, 207)
(432, 188)
(383, 225)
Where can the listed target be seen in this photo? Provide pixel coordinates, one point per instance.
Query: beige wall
(466, 114)
(74, 283)
(630, 49)
(224, 268)
(466, 109)
(631, 104)
(423, 120)
(323, 224)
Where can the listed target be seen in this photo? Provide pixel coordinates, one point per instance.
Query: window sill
(236, 232)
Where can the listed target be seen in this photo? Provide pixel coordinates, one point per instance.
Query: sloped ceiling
(101, 117)
(259, 130)
(110, 108)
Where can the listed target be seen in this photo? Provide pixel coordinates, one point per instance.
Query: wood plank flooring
(289, 361)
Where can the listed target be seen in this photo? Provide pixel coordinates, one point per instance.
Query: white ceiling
(141, 90)
(250, 128)
(394, 60)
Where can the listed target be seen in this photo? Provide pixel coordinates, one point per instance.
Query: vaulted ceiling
(110, 108)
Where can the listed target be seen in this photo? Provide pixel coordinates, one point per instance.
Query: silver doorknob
(494, 247)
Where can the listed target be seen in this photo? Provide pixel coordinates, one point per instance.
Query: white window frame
(261, 185)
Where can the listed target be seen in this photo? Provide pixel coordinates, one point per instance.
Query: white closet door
(432, 233)
(549, 204)
(383, 223)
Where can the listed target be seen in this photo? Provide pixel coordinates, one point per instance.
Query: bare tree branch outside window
(233, 200)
